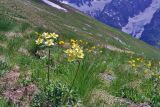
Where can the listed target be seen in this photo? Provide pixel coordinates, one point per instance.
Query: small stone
(16, 68)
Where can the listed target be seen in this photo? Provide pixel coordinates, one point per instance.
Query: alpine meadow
(53, 55)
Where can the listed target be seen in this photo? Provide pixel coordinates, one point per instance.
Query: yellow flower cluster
(91, 49)
(156, 75)
(147, 67)
(75, 52)
(47, 39)
(135, 62)
(73, 41)
(79, 42)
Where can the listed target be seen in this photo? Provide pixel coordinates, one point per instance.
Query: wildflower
(49, 42)
(39, 41)
(74, 45)
(46, 38)
(80, 54)
(73, 41)
(45, 34)
(149, 64)
(71, 55)
(138, 59)
(81, 41)
(74, 53)
(133, 65)
(54, 35)
(61, 43)
(133, 61)
(93, 47)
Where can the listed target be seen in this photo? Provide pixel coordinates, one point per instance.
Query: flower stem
(65, 97)
(75, 77)
(49, 57)
(48, 73)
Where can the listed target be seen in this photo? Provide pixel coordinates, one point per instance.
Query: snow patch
(136, 24)
(96, 5)
(54, 5)
(119, 40)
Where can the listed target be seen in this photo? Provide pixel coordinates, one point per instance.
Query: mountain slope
(73, 24)
(117, 12)
(130, 16)
(151, 33)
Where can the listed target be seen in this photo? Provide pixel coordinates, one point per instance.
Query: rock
(23, 51)
(16, 95)
(16, 68)
(107, 77)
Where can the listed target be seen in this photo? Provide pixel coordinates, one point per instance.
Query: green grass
(3, 38)
(3, 68)
(5, 24)
(4, 104)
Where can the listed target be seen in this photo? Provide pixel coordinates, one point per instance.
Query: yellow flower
(49, 42)
(74, 53)
(39, 41)
(133, 61)
(61, 43)
(71, 55)
(80, 53)
(74, 45)
(46, 38)
(80, 41)
(54, 35)
(73, 41)
(133, 65)
(138, 59)
(149, 64)
(45, 34)
(93, 47)
(49, 36)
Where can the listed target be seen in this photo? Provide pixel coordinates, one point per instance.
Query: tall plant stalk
(73, 81)
(75, 76)
(48, 65)
(48, 73)
(47, 39)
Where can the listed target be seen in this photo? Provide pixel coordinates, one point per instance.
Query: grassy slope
(72, 25)
(19, 19)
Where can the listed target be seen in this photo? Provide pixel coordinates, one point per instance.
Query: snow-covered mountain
(91, 7)
(140, 18)
(151, 33)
